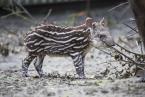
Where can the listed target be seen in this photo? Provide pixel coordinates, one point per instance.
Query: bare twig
(22, 7)
(104, 51)
(15, 10)
(47, 15)
(130, 27)
(117, 6)
(132, 34)
(128, 50)
(130, 60)
(137, 63)
(12, 13)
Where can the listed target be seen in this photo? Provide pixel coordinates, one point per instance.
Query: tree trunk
(138, 7)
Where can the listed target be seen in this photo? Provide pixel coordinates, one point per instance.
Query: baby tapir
(48, 39)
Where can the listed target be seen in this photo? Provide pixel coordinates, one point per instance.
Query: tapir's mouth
(109, 42)
(103, 44)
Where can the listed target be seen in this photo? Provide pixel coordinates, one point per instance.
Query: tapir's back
(52, 39)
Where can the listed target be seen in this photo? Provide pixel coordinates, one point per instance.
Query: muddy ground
(106, 77)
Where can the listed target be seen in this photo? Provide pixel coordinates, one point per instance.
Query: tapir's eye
(101, 36)
(88, 30)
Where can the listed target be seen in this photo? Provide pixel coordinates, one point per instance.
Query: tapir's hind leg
(25, 64)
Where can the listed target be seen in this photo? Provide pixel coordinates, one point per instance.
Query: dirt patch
(13, 85)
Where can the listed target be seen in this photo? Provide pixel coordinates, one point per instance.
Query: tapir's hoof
(141, 75)
(25, 75)
(82, 77)
(43, 75)
(141, 79)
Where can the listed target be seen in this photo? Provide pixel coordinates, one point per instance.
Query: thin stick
(47, 15)
(130, 27)
(21, 6)
(131, 32)
(117, 6)
(12, 13)
(128, 50)
(138, 63)
(103, 51)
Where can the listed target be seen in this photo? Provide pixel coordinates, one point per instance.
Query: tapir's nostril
(110, 42)
(113, 44)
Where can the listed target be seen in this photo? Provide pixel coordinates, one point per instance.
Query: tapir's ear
(103, 22)
(89, 22)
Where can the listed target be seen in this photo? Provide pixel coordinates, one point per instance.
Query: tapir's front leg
(38, 65)
(78, 60)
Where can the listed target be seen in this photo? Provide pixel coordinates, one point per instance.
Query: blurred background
(18, 16)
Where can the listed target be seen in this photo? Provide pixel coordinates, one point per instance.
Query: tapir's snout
(109, 41)
(103, 42)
